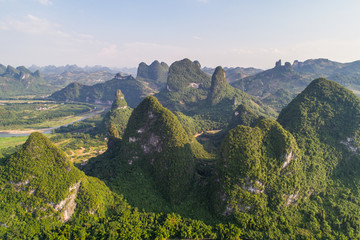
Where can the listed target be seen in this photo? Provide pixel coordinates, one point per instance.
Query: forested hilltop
(291, 178)
(186, 155)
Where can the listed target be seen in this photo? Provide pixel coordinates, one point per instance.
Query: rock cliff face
(155, 140)
(258, 167)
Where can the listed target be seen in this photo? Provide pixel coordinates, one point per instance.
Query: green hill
(41, 189)
(21, 81)
(258, 169)
(234, 73)
(265, 84)
(61, 76)
(155, 140)
(202, 99)
(155, 74)
(116, 119)
(324, 119)
(102, 93)
(43, 196)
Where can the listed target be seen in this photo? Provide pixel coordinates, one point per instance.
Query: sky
(228, 33)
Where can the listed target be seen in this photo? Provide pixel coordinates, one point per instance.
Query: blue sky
(124, 33)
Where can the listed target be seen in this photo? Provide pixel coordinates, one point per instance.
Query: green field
(38, 114)
(7, 142)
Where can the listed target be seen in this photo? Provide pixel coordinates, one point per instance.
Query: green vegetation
(102, 93)
(21, 81)
(116, 119)
(266, 85)
(155, 74)
(197, 97)
(155, 140)
(258, 170)
(44, 197)
(183, 73)
(39, 114)
(294, 178)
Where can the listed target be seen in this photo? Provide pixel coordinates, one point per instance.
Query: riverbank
(16, 132)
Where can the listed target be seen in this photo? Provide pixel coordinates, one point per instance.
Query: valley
(186, 156)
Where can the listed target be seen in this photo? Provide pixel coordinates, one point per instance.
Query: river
(18, 133)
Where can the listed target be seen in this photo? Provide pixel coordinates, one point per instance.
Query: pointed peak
(119, 101)
(38, 139)
(218, 85)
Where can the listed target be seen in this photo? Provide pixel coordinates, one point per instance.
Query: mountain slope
(41, 188)
(257, 168)
(155, 139)
(21, 81)
(155, 74)
(61, 76)
(193, 94)
(103, 93)
(116, 119)
(325, 120)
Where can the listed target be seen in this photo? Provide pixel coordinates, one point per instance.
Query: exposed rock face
(157, 141)
(287, 157)
(68, 205)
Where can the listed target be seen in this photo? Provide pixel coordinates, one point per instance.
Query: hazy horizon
(229, 33)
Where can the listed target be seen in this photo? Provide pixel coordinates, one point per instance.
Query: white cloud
(109, 52)
(34, 25)
(45, 2)
(31, 25)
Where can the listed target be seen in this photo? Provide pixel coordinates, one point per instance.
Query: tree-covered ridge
(205, 104)
(154, 74)
(265, 84)
(21, 81)
(103, 93)
(234, 73)
(61, 76)
(155, 139)
(57, 201)
(324, 119)
(41, 189)
(347, 74)
(258, 169)
(116, 119)
(186, 74)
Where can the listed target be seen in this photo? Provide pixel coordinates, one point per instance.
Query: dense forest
(200, 159)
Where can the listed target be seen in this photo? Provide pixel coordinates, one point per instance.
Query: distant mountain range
(277, 86)
(21, 81)
(103, 93)
(64, 75)
(234, 73)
